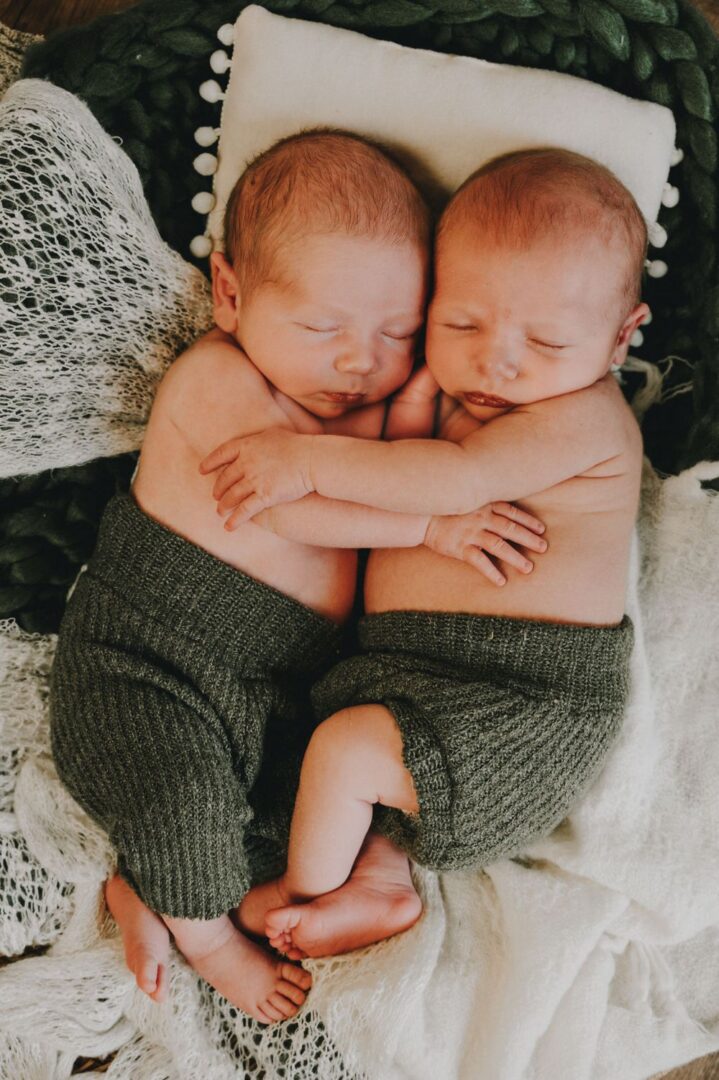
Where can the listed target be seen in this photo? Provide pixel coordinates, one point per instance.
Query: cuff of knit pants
(424, 836)
(187, 866)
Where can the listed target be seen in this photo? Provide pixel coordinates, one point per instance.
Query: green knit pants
(505, 722)
(180, 712)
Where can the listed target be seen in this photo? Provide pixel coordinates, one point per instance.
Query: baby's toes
(293, 953)
(296, 975)
(291, 991)
(282, 1004)
(273, 1014)
(146, 969)
(282, 942)
(160, 993)
(282, 921)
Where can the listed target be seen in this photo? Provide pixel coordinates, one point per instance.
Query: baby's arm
(498, 529)
(525, 451)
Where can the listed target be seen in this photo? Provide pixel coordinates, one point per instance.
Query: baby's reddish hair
(319, 181)
(530, 195)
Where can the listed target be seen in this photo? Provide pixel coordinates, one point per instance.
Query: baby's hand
(468, 536)
(259, 471)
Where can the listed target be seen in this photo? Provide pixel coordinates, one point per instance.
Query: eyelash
(334, 329)
(534, 341)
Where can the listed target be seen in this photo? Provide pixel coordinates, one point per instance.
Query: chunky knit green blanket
(139, 72)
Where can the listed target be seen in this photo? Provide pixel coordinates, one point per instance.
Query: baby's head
(324, 279)
(538, 266)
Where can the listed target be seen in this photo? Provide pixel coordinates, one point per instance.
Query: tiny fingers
(508, 553)
(222, 455)
(233, 496)
(481, 562)
(244, 512)
(518, 534)
(509, 510)
(229, 475)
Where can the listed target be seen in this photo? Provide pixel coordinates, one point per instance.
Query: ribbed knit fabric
(174, 675)
(504, 722)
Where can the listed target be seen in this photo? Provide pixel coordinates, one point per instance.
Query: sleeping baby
(180, 690)
(472, 718)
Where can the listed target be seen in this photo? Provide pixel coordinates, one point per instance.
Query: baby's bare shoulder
(598, 413)
(211, 380)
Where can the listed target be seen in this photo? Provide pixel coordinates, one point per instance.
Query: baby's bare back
(582, 578)
(211, 393)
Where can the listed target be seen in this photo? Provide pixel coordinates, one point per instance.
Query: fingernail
(528, 567)
(543, 545)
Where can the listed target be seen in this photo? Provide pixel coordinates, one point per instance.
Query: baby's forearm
(331, 523)
(413, 476)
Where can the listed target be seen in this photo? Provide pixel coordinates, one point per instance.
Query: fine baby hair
(532, 195)
(318, 181)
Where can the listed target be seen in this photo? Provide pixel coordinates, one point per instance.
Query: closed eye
(459, 326)
(319, 329)
(547, 344)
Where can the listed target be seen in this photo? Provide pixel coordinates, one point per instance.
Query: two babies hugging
(200, 650)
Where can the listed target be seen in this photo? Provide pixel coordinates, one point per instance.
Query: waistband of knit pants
(578, 661)
(195, 594)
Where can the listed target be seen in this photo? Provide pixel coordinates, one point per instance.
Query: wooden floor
(42, 16)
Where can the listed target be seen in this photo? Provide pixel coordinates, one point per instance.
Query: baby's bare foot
(261, 985)
(377, 901)
(145, 937)
(257, 902)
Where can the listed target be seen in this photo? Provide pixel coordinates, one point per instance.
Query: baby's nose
(499, 364)
(359, 359)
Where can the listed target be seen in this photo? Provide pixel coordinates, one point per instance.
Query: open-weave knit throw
(140, 71)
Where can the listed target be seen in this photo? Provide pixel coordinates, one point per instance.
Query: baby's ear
(633, 321)
(225, 293)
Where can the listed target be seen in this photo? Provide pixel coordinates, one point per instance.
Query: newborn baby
(179, 696)
(472, 718)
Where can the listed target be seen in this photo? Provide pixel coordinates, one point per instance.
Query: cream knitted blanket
(592, 958)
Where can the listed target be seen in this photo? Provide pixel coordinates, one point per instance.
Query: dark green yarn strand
(140, 71)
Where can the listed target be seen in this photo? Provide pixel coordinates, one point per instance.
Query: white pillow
(444, 116)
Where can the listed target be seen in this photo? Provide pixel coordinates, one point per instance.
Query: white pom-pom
(203, 202)
(670, 195)
(200, 246)
(206, 136)
(220, 62)
(637, 339)
(211, 91)
(205, 164)
(677, 156)
(657, 235)
(647, 319)
(657, 268)
(226, 33)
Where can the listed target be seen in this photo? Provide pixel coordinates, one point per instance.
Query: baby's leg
(353, 761)
(145, 937)
(241, 971)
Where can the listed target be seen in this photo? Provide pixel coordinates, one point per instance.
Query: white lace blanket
(594, 958)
